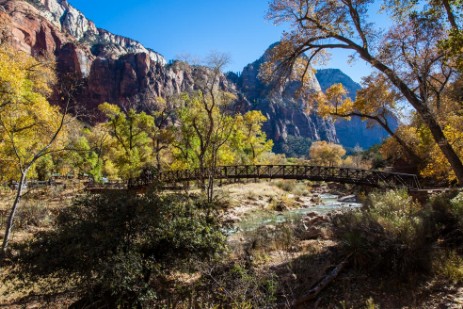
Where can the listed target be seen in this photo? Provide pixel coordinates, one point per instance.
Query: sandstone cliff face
(113, 67)
(103, 43)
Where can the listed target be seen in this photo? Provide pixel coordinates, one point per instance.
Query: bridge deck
(299, 172)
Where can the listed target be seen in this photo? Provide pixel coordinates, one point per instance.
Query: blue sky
(185, 27)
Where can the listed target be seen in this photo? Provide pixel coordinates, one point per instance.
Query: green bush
(392, 235)
(125, 247)
(448, 219)
(449, 265)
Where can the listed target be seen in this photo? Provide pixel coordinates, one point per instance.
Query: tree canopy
(409, 54)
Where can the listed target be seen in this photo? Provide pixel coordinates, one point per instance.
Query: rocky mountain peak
(288, 114)
(102, 43)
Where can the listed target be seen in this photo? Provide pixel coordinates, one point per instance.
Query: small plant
(449, 266)
(286, 185)
(282, 204)
(300, 188)
(370, 304)
(238, 286)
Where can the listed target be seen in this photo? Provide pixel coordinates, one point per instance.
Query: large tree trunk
(9, 223)
(423, 110)
(444, 145)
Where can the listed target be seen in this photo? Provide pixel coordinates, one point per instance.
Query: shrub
(448, 218)
(282, 204)
(124, 247)
(286, 185)
(391, 235)
(32, 213)
(236, 285)
(449, 265)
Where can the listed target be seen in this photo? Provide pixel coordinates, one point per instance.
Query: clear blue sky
(178, 27)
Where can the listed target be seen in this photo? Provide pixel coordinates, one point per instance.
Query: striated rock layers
(119, 70)
(112, 68)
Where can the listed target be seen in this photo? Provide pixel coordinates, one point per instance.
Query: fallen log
(313, 292)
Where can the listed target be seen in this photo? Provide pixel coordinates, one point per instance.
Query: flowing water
(328, 203)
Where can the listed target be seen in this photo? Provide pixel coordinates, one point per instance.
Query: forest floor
(300, 254)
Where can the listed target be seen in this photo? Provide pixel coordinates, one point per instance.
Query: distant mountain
(287, 113)
(352, 132)
(328, 77)
(122, 71)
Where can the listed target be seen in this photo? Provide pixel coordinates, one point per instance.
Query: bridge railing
(310, 172)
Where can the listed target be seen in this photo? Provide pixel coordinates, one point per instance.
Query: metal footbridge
(299, 172)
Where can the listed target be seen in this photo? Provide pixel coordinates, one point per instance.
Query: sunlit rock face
(102, 43)
(111, 68)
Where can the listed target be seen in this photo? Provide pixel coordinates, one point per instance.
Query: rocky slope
(112, 68)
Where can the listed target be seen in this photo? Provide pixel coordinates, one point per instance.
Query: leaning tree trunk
(424, 112)
(9, 223)
(445, 147)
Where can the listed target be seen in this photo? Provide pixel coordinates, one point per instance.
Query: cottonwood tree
(162, 133)
(407, 54)
(418, 136)
(30, 128)
(248, 139)
(206, 119)
(375, 102)
(131, 142)
(326, 154)
(205, 130)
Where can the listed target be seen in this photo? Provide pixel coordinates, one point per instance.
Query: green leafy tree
(125, 248)
(205, 130)
(132, 144)
(206, 124)
(162, 133)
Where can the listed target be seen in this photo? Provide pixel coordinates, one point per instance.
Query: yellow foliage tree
(326, 154)
(409, 54)
(131, 149)
(30, 128)
(374, 103)
(249, 141)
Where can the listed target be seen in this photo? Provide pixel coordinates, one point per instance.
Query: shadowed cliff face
(286, 112)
